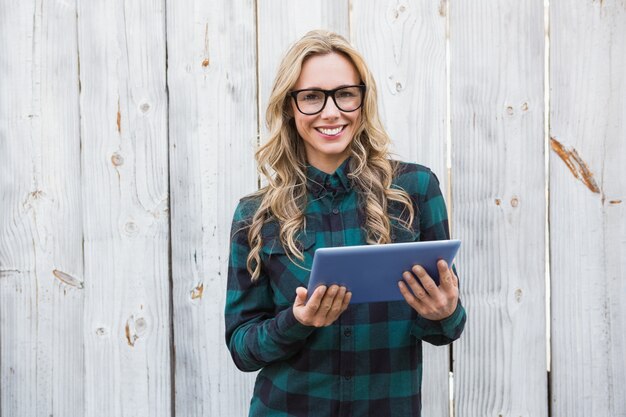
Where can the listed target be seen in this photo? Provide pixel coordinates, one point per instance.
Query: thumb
(300, 300)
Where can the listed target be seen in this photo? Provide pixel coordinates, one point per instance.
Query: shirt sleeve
(433, 223)
(257, 331)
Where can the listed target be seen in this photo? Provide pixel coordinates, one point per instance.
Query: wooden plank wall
(213, 134)
(497, 114)
(587, 207)
(119, 122)
(125, 208)
(41, 252)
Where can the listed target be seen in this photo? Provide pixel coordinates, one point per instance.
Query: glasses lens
(349, 98)
(310, 101)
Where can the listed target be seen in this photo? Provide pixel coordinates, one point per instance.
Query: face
(327, 135)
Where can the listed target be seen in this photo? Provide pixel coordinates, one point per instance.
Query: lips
(330, 131)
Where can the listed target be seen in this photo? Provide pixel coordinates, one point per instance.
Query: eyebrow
(320, 88)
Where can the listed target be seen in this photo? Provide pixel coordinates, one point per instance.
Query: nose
(330, 110)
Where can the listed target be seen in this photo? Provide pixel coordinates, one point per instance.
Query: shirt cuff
(290, 328)
(450, 324)
(447, 327)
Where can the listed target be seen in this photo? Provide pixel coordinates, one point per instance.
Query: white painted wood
(41, 296)
(125, 200)
(86, 323)
(497, 106)
(283, 22)
(213, 135)
(587, 208)
(404, 44)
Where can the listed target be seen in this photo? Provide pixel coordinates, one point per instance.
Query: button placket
(346, 374)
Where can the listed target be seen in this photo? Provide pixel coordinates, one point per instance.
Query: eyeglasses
(313, 100)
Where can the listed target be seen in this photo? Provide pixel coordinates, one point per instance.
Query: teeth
(330, 132)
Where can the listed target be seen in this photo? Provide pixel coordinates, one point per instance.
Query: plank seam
(169, 207)
(258, 86)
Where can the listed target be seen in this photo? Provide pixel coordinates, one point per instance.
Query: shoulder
(242, 217)
(247, 207)
(415, 179)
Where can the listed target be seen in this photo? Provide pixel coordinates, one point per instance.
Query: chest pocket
(399, 234)
(272, 245)
(286, 274)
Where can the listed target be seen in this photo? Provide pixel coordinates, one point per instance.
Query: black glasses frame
(327, 93)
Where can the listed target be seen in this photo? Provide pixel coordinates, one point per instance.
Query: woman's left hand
(431, 301)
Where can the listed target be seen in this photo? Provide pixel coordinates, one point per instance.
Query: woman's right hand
(323, 308)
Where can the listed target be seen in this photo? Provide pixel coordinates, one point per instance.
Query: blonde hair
(282, 159)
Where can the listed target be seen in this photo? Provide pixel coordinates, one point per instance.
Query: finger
(335, 309)
(412, 283)
(300, 300)
(338, 301)
(425, 279)
(346, 301)
(328, 299)
(445, 278)
(316, 299)
(408, 296)
(455, 279)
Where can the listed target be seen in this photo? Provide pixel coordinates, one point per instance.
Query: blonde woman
(330, 182)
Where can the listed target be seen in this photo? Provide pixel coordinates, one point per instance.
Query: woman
(330, 182)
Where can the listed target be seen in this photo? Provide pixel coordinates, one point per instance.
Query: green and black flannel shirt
(367, 363)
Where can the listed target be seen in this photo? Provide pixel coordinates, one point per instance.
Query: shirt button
(335, 210)
(347, 332)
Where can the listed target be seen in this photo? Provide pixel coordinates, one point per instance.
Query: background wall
(127, 133)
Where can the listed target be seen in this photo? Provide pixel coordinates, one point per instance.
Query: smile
(330, 132)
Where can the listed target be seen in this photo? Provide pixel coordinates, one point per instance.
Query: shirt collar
(319, 182)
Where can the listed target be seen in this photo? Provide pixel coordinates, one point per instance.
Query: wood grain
(125, 201)
(497, 105)
(404, 44)
(41, 316)
(587, 199)
(213, 135)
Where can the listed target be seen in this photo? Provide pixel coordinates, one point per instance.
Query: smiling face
(327, 134)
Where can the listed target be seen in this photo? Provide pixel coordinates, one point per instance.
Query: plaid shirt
(367, 363)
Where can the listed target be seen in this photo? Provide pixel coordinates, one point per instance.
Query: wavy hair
(282, 159)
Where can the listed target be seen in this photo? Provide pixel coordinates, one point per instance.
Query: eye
(310, 96)
(346, 94)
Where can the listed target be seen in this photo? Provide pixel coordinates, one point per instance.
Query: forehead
(327, 71)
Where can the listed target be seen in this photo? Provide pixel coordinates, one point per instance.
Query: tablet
(372, 272)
